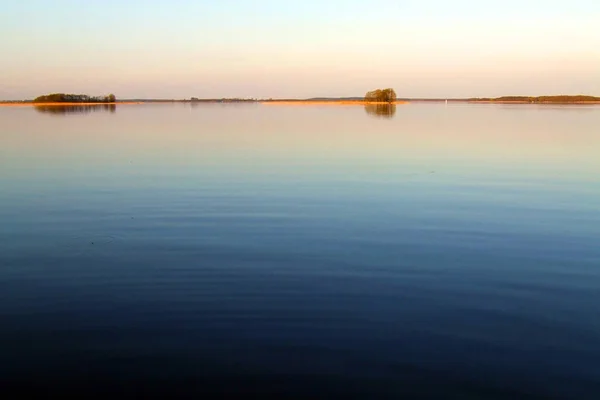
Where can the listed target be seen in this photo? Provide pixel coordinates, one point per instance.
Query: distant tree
(111, 98)
(381, 96)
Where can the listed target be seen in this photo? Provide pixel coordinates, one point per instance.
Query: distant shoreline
(329, 102)
(529, 102)
(279, 102)
(31, 103)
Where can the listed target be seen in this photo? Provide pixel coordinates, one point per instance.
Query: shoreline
(563, 103)
(330, 102)
(299, 102)
(28, 104)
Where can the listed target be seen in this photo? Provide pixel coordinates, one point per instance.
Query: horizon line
(193, 98)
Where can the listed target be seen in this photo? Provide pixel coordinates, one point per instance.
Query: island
(381, 96)
(62, 98)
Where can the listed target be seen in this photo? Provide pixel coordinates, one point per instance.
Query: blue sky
(265, 48)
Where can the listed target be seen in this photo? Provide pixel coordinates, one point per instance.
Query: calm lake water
(445, 251)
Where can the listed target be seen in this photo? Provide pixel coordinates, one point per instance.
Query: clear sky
(277, 48)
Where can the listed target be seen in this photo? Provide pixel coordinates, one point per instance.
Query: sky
(299, 49)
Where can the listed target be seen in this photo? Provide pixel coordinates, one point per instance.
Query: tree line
(74, 98)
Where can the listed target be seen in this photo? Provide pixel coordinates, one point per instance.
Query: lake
(313, 251)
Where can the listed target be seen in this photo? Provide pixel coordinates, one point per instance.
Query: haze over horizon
(266, 48)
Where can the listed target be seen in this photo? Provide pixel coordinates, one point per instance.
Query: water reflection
(75, 109)
(381, 110)
(448, 250)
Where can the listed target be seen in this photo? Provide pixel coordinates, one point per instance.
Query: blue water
(302, 252)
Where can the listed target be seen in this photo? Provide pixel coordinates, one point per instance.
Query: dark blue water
(301, 252)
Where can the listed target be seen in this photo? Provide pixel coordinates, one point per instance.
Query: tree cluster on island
(74, 98)
(381, 96)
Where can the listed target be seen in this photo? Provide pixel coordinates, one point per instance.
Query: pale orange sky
(140, 49)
